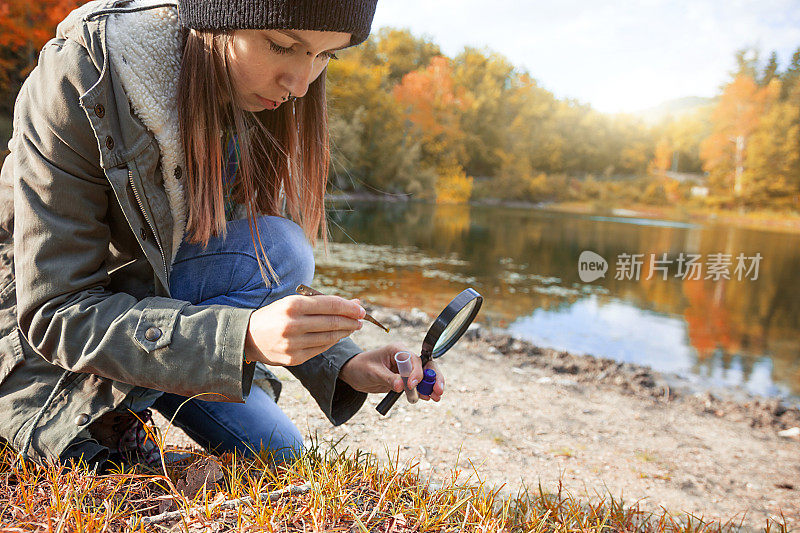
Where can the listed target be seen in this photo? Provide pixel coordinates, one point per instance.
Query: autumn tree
(686, 133)
(453, 186)
(683, 134)
(373, 147)
(431, 102)
(734, 120)
(370, 148)
(24, 29)
(746, 63)
(402, 52)
(771, 175)
(531, 145)
(662, 160)
(754, 149)
(489, 81)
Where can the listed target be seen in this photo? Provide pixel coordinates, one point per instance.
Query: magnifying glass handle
(388, 401)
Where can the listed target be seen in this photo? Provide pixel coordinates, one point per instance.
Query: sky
(618, 56)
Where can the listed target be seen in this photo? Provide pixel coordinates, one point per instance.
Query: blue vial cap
(425, 386)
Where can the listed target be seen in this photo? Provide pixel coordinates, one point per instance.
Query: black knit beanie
(347, 16)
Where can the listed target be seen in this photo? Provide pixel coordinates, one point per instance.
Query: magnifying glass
(448, 327)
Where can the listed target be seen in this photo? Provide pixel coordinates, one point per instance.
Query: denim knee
(289, 253)
(227, 271)
(243, 427)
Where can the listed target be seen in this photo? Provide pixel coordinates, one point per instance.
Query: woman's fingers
(438, 387)
(416, 372)
(323, 340)
(322, 323)
(326, 305)
(294, 329)
(387, 378)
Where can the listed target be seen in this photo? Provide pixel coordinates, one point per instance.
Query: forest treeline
(407, 119)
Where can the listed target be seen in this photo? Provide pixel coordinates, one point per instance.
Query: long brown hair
(282, 150)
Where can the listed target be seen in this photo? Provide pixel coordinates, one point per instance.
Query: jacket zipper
(149, 222)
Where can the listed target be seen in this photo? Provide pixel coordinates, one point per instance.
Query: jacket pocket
(11, 354)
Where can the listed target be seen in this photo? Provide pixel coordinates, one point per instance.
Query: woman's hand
(376, 371)
(292, 330)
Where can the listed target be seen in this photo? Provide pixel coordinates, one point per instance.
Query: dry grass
(348, 491)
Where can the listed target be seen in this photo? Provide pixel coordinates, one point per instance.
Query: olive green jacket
(91, 216)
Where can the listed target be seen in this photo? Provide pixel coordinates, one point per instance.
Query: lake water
(743, 331)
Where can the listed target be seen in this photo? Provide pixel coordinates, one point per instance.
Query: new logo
(591, 266)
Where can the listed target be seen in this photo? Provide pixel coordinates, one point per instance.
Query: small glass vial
(404, 367)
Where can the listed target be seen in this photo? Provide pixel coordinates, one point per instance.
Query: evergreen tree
(770, 70)
(791, 76)
(746, 63)
(772, 168)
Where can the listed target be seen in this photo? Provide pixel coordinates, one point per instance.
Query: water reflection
(525, 263)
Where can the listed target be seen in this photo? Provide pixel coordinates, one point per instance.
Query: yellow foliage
(662, 159)
(537, 187)
(734, 120)
(453, 186)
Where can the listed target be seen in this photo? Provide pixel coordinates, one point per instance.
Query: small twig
(226, 505)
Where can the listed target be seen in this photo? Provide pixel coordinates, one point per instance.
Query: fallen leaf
(165, 503)
(220, 498)
(396, 524)
(203, 473)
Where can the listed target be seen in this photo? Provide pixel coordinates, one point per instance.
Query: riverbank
(760, 220)
(517, 415)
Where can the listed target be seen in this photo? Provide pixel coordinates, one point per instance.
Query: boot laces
(134, 440)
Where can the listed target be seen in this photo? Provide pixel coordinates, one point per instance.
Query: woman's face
(269, 65)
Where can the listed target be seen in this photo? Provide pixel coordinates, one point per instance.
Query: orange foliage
(25, 27)
(734, 119)
(431, 101)
(428, 95)
(25, 23)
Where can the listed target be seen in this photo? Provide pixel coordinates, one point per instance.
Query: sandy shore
(518, 415)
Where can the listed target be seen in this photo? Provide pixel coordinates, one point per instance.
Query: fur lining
(144, 49)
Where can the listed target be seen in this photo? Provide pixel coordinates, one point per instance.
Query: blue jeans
(226, 272)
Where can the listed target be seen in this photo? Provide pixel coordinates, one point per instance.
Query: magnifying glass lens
(443, 334)
(455, 326)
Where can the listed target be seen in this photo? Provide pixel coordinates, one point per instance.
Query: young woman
(167, 172)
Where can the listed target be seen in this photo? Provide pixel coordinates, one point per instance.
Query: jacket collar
(144, 51)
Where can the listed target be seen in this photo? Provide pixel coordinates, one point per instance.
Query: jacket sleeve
(61, 242)
(338, 400)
